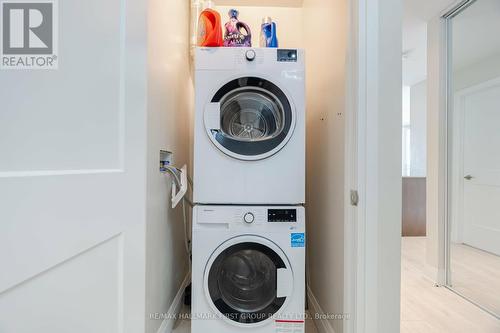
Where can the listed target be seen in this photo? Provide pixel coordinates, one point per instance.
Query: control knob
(250, 55)
(249, 218)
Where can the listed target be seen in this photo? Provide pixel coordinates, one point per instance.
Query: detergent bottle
(234, 35)
(209, 27)
(268, 36)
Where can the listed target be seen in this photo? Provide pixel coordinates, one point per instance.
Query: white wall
(418, 125)
(485, 70)
(169, 108)
(326, 73)
(406, 160)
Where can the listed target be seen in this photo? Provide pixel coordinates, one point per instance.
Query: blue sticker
(298, 239)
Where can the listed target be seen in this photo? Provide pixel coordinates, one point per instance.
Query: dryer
(249, 133)
(248, 270)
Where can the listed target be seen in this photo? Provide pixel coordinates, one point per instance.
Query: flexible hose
(186, 232)
(177, 182)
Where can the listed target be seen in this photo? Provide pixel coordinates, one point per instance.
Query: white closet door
(481, 166)
(72, 180)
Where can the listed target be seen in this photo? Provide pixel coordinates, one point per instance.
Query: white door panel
(482, 211)
(481, 161)
(52, 300)
(72, 178)
(69, 119)
(59, 216)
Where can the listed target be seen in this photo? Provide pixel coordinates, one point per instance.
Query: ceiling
(416, 15)
(475, 33)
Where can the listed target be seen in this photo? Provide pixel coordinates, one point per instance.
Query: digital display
(282, 215)
(287, 55)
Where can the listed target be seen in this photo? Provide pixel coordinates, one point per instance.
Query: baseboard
(432, 273)
(167, 326)
(323, 325)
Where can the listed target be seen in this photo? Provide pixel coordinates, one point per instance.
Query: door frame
(373, 188)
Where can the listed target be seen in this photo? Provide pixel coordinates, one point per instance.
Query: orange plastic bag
(210, 29)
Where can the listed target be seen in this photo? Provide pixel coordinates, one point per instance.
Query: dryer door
(250, 118)
(248, 282)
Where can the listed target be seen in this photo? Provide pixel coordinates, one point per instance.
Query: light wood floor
(428, 309)
(476, 274)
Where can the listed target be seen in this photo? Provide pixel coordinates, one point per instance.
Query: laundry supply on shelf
(268, 35)
(237, 33)
(209, 27)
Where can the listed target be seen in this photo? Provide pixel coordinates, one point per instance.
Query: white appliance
(248, 269)
(249, 135)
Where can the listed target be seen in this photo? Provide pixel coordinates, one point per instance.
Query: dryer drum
(251, 114)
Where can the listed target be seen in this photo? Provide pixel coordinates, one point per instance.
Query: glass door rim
(244, 238)
(448, 17)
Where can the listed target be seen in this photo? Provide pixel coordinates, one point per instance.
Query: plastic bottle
(234, 36)
(209, 27)
(268, 36)
(196, 7)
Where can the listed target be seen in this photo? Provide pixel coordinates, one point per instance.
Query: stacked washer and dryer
(248, 270)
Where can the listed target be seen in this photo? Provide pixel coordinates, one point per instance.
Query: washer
(248, 269)
(249, 133)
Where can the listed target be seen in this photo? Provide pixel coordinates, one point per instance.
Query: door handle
(468, 177)
(212, 116)
(284, 282)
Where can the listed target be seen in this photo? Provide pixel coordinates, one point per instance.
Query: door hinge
(354, 198)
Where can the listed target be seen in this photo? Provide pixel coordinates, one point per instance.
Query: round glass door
(242, 283)
(255, 118)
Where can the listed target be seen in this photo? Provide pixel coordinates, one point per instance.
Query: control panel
(249, 218)
(282, 215)
(287, 55)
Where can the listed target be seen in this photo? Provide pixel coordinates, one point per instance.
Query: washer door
(248, 282)
(249, 118)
